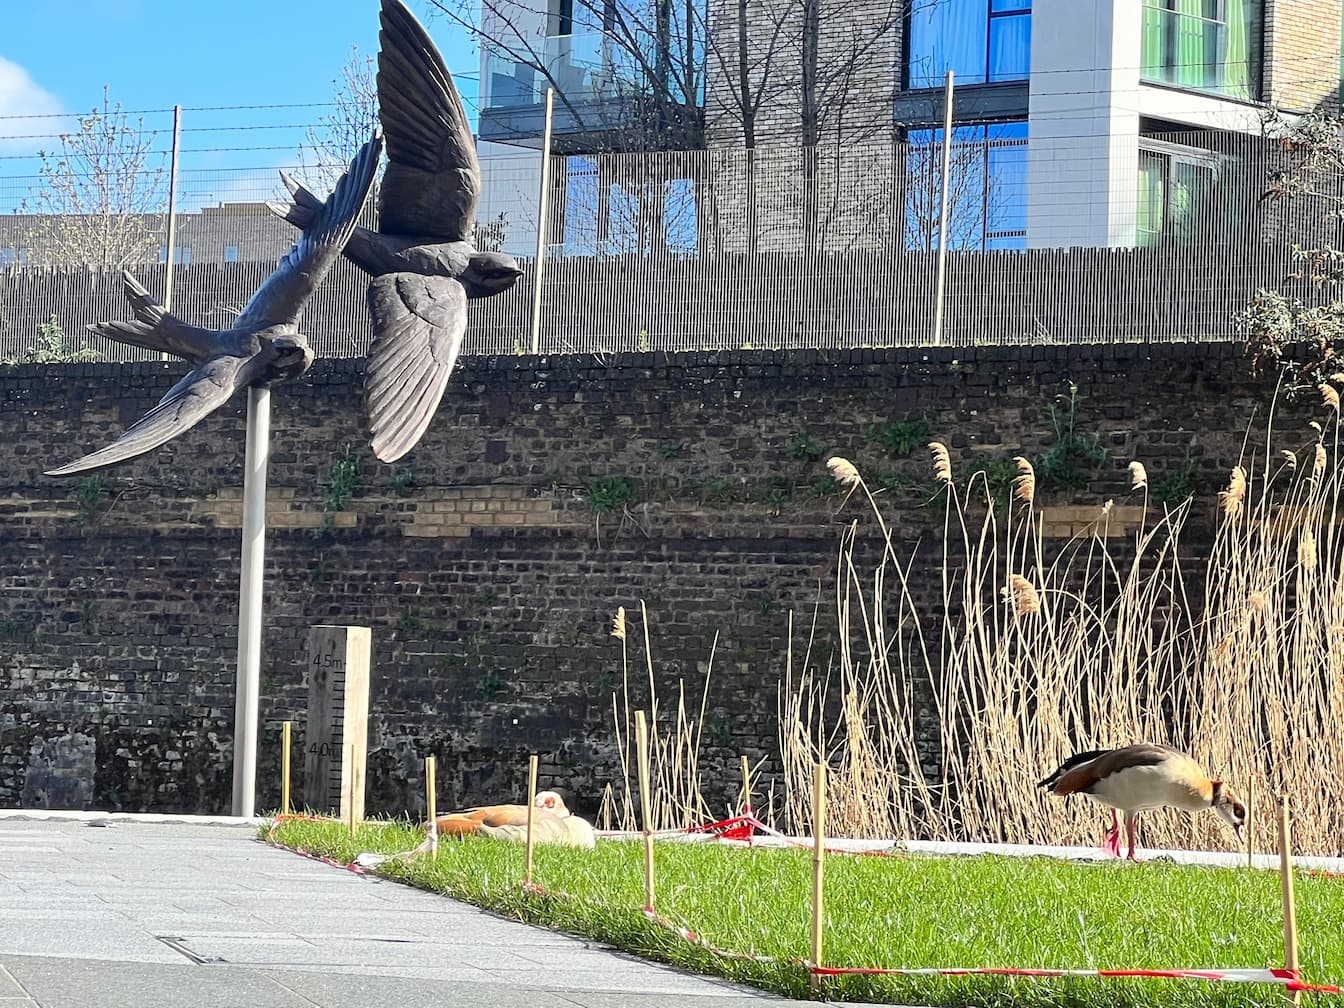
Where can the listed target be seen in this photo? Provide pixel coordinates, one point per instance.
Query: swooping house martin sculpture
(422, 256)
(262, 347)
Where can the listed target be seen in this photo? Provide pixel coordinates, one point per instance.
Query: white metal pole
(172, 214)
(249, 601)
(942, 213)
(543, 205)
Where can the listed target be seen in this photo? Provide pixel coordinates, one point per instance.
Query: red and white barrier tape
(738, 829)
(1291, 979)
(1288, 979)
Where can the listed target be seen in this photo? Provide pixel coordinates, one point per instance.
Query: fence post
(942, 213)
(538, 264)
(172, 216)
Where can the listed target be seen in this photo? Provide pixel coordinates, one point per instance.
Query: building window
(1176, 202)
(980, 41)
(10, 256)
(230, 253)
(561, 18)
(181, 255)
(1207, 45)
(986, 191)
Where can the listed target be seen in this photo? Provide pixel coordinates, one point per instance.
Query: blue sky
(210, 58)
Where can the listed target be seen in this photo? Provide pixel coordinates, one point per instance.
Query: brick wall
(488, 579)
(857, 46)
(1302, 44)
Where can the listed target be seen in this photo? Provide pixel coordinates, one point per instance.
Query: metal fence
(773, 248)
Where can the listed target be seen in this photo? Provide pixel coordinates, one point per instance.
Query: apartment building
(1077, 122)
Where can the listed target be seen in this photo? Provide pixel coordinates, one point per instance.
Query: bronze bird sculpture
(422, 257)
(262, 347)
(1139, 777)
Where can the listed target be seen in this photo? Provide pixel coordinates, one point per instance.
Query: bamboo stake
(1250, 822)
(642, 742)
(286, 737)
(746, 787)
(818, 866)
(431, 802)
(1289, 904)
(531, 814)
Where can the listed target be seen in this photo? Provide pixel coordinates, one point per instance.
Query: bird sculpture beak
(1238, 831)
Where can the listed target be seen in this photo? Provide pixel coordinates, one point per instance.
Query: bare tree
(1299, 329)
(100, 197)
(336, 138)
(975, 199)
(628, 76)
(660, 75)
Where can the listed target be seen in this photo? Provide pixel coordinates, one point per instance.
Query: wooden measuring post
(338, 720)
(818, 867)
(286, 740)
(1289, 903)
(642, 743)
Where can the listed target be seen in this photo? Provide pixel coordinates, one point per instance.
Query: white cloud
(20, 95)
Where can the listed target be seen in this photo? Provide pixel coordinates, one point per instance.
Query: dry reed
(938, 724)
(675, 800)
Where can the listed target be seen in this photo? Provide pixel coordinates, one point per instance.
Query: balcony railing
(586, 67)
(1204, 54)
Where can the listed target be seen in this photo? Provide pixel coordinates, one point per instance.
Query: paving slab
(177, 913)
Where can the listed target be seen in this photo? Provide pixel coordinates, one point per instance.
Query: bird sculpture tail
(304, 207)
(154, 327)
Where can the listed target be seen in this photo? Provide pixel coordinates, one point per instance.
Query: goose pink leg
(1111, 843)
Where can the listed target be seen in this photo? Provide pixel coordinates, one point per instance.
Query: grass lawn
(895, 911)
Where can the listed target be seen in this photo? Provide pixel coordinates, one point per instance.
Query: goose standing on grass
(1139, 777)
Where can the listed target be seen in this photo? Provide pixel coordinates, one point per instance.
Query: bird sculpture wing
(280, 300)
(418, 325)
(433, 180)
(187, 403)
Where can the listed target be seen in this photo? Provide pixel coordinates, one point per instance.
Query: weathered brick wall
(488, 579)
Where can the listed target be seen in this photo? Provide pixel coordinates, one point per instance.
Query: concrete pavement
(179, 913)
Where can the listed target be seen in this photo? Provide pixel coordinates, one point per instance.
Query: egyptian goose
(552, 822)
(1140, 777)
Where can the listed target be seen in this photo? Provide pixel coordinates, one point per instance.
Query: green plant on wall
(51, 349)
(1178, 485)
(403, 482)
(1074, 456)
(899, 438)
(344, 480)
(777, 492)
(801, 448)
(606, 493)
(88, 492)
(992, 478)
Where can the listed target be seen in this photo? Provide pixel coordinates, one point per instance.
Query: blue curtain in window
(1009, 47)
(947, 35)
